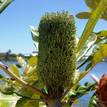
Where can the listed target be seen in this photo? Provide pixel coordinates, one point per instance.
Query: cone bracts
(56, 58)
(102, 91)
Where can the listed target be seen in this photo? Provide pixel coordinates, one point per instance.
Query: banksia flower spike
(102, 92)
(56, 58)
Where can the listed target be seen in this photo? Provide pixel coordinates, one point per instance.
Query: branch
(96, 15)
(23, 83)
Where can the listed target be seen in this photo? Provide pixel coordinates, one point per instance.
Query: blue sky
(15, 21)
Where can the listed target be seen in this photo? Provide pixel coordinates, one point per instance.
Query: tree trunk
(54, 103)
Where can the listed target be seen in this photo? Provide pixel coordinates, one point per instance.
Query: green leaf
(31, 76)
(100, 54)
(102, 33)
(32, 80)
(76, 101)
(87, 46)
(8, 100)
(96, 15)
(14, 68)
(35, 34)
(23, 102)
(84, 73)
(83, 15)
(92, 102)
(80, 91)
(22, 92)
(4, 4)
(85, 61)
(4, 103)
(33, 61)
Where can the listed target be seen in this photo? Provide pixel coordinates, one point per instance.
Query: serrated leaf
(83, 15)
(33, 61)
(14, 68)
(23, 102)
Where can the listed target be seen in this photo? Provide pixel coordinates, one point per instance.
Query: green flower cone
(57, 52)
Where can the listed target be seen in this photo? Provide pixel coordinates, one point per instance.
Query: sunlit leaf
(14, 68)
(31, 76)
(97, 58)
(84, 73)
(100, 54)
(35, 34)
(102, 33)
(33, 61)
(84, 61)
(4, 103)
(21, 61)
(88, 45)
(42, 104)
(8, 100)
